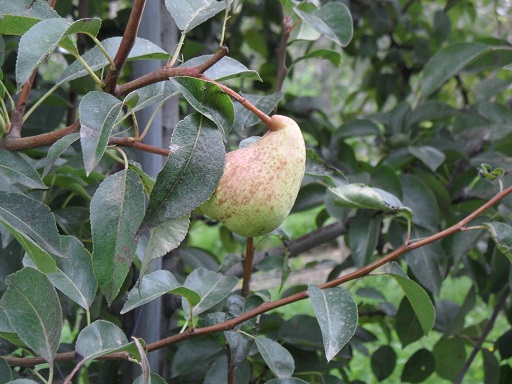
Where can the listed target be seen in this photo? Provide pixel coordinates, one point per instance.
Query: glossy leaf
(98, 339)
(98, 114)
(30, 219)
(408, 326)
(363, 196)
(240, 346)
(117, 208)
(245, 119)
(154, 285)
(301, 331)
(17, 17)
(190, 14)
(57, 149)
(419, 367)
(333, 21)
(225, 68)
(191, 173)
(154, 378)
(151, 94)
(420, 302)
(194, 352)
(33, 308)
(336, 312)
(142, 50)
(430, 156)
(277, 358)
(447, 63)
(421, 200)
(450, 356)
(357, 128)
(363, 235)
(5, 372)
(17, 170)
(383, 362)
(210, 286)
(164, 238)
(501, 234)
(315, 166)
(209, 100)
(43, 38)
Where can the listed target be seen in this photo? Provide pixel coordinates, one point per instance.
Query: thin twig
(17, 114)
(286, 29)
(249, 255)
(126, 45)
(165, 73)
(488, 328)
(231, 367)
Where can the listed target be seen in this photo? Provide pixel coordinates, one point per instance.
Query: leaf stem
(224, 24)
(104, 51)
(150, 121)
(249, 255)
(91, 73)
(40, 101)
(177, 51)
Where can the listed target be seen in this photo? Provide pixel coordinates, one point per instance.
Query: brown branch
(127, 42)
(249, 255)
(286, 30)
(488, 328)
(130, 142)
(268, 306)
(22, 143)
(164, 73)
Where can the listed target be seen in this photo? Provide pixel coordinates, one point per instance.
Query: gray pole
(147, 318)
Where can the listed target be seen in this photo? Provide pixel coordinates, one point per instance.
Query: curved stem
(104, 51)
(91, 73)
(40, 101)
(177, 51)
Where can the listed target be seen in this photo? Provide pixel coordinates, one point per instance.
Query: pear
(260, 181)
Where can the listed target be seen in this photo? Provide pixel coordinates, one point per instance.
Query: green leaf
(152, 286)
(98, 339)
(245, 119)
(225, 68)
(301, 331)
(315, 166)
(408, 327)
(447, 63)
(43, 38)
(31, 220)
(192, 13)
(336, 312)
(191, 173)
(501, 234)
(117, 208)
(363, 235)
(450, 355)
(333, 21)
(142, 50)
(34, 312)
(288, 380)
(363, 196)
(98, 114)
(58, 149)
(74, 276)
(193, 353)
(209, 100)
(418, 196)
(419, 367)
(383, 362)
(151, 94)
(7, 332)
(153, 379)
(164, 238)
(278, 359)
(333, 56)
(210, 286)
(5, 372)
(491, 367)
(17, 170)
(17, 17)
(430, 156)
(358, 127)
(240, 346)
(23, 381)
(420, 302)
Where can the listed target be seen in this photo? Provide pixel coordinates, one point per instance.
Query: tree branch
(488, 328)
(127, 42)
(22, 143)
(268, 306)
(249, 256)
(165, 73)
(286, 30)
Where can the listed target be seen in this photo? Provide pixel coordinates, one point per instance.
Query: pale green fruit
(260, 181)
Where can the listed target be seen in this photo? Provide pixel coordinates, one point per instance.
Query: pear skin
(260, 181)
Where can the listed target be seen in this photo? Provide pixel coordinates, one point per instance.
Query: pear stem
(266, 119)
(249, 255)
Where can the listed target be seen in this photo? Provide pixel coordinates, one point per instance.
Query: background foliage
(405, 108)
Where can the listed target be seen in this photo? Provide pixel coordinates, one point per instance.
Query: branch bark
(127, 42)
